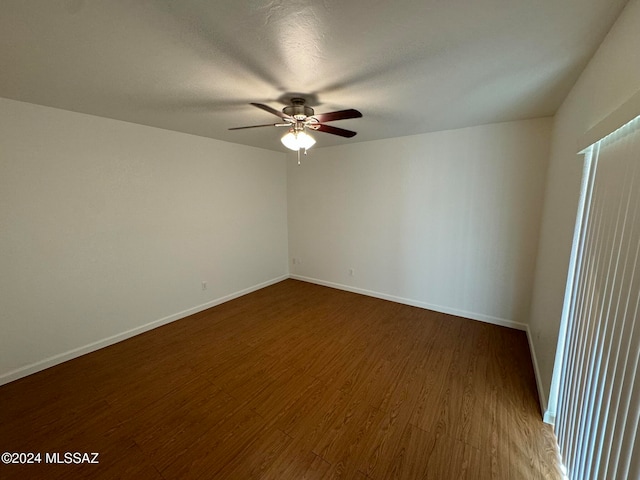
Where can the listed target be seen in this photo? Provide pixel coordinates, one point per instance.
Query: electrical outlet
(351, 272)
(204, 285)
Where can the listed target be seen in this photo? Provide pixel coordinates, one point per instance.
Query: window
(597, 381)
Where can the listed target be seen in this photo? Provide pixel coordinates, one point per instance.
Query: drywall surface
(446, 220)
(108, 226)
(612, 77)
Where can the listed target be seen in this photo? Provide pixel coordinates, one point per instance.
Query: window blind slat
(607, 321)
(621, 329)
(571, 328)
(598, 405)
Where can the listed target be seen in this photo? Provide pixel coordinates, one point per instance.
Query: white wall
(107, 226)
(612, 76)
(447, 220)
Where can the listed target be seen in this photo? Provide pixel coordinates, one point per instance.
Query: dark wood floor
(295, 381)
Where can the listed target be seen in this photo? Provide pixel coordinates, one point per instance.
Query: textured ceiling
(410, 66)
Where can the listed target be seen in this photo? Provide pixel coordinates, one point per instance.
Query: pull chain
(305, 152)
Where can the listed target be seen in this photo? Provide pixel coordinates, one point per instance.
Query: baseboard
(415, 303)
(541, 396)
(97, 345)
(548, 417)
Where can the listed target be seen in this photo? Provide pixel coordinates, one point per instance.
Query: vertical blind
(599, 391)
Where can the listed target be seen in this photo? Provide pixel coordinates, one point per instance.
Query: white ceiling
(410, 66)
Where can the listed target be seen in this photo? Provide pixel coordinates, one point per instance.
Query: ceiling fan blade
(267, 108)
(333, 130)
(256, 126)
(339, 115)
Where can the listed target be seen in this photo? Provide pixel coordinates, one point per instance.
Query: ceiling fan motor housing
(298, 116)
(298, 109)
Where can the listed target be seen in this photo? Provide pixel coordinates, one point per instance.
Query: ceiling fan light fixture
(296, 140)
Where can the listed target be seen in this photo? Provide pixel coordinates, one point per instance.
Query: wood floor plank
(294, 381)
(316, 418)
(431, 388)
(380, 445)
(281, 397)
(186, 416)
(297, 461)
(411, 456)
(496, 443)
(450, 402)
(209, 454)
(257, 457)
(304, 412)
(343, 440)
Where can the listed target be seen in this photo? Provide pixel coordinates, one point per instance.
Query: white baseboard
(105, 342)
(541, 396)
(503, 322)
(77, 352)
(451, 311)
(549, 417)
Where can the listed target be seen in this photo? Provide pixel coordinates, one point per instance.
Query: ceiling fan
(300, 117)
